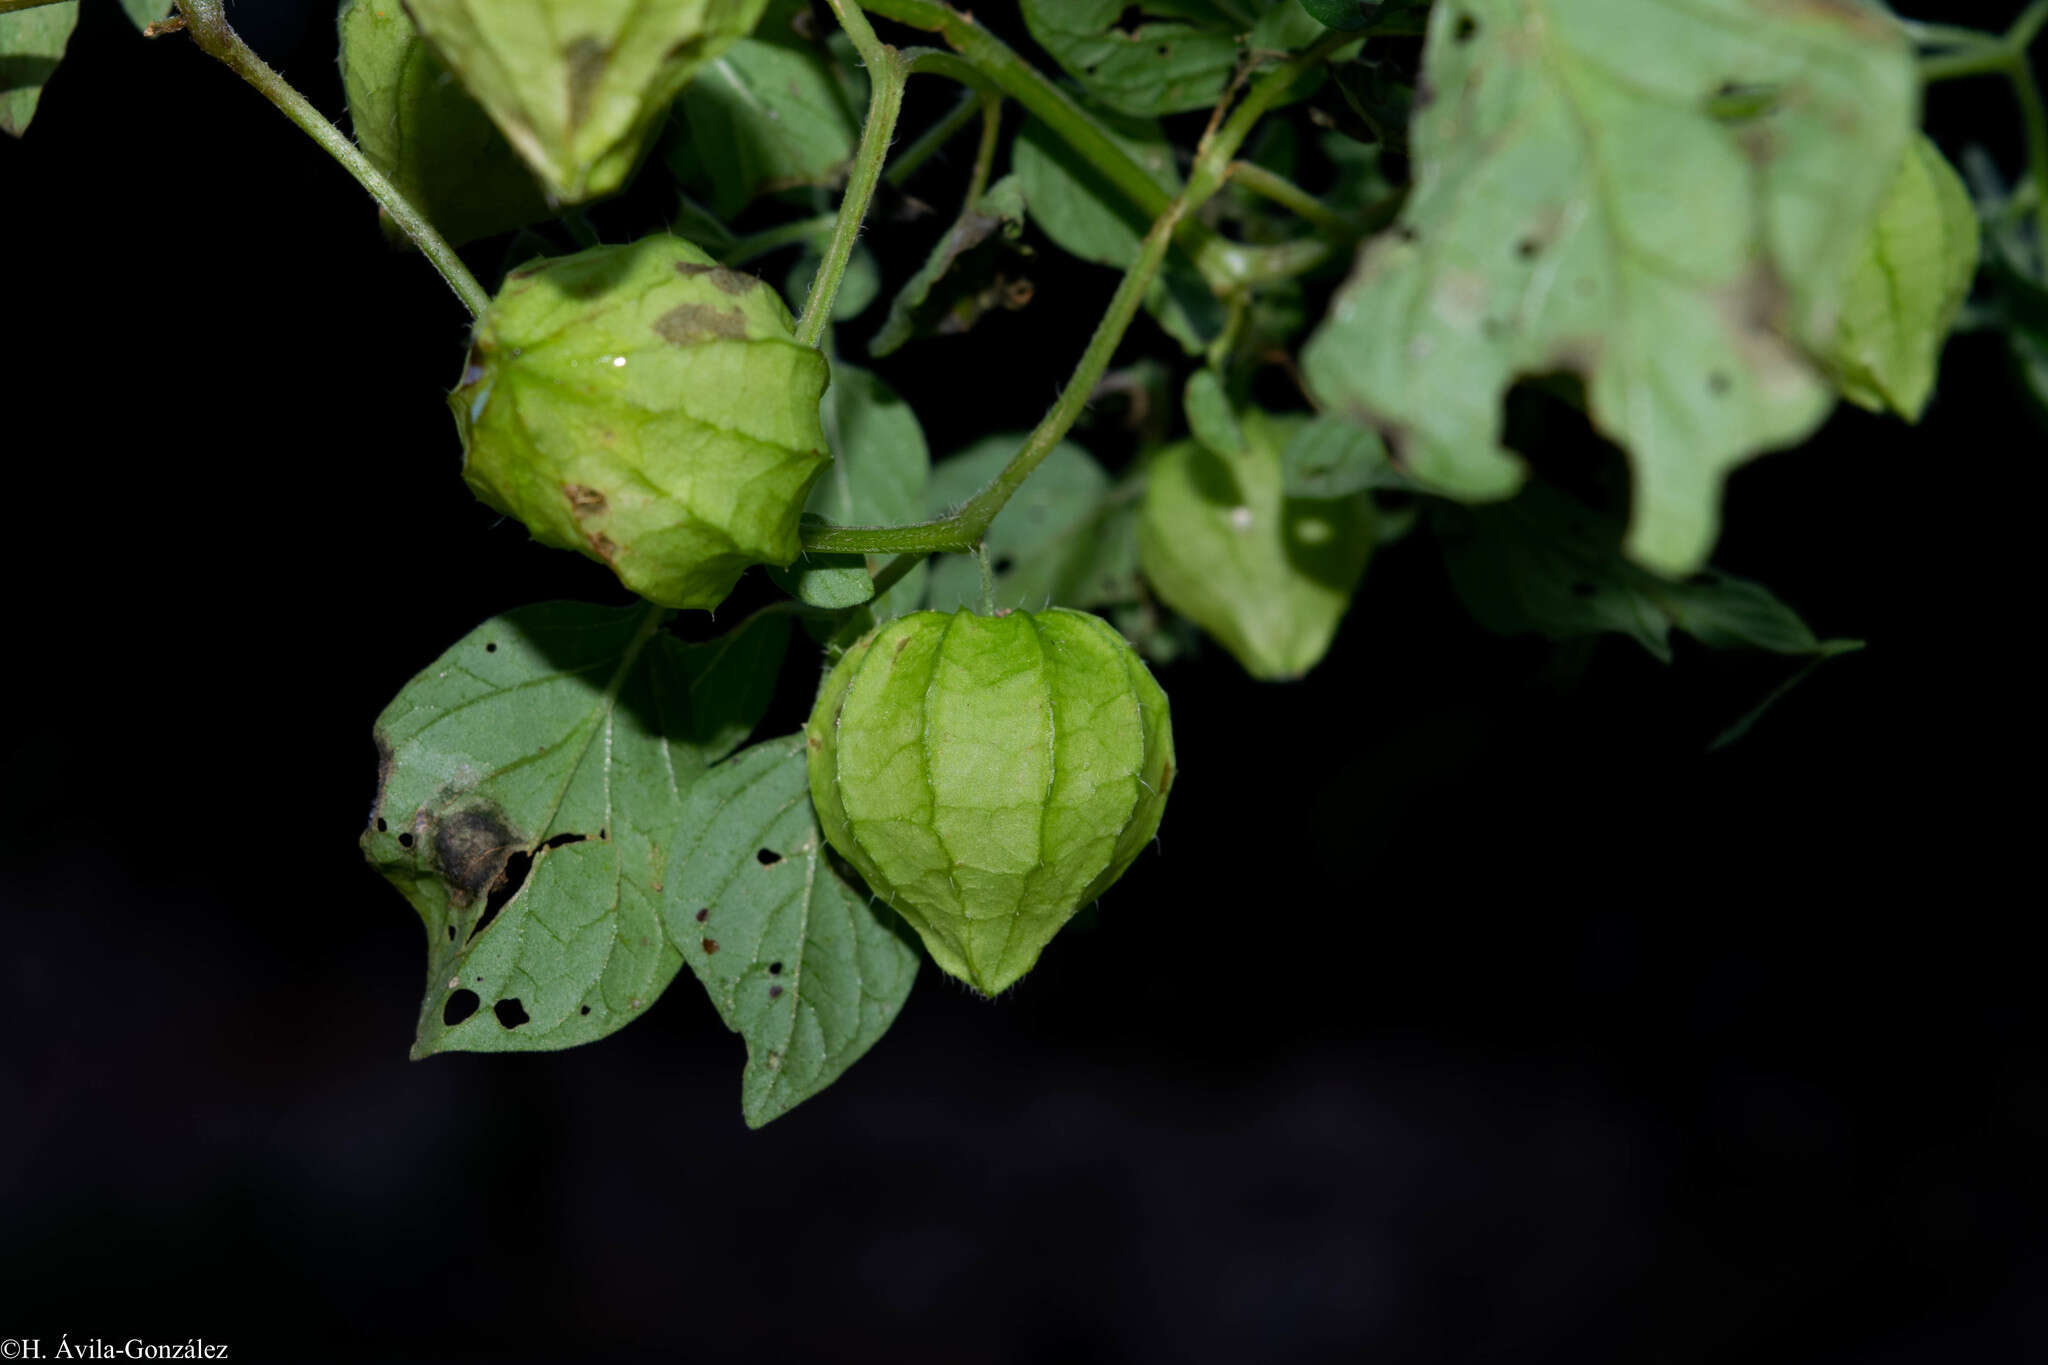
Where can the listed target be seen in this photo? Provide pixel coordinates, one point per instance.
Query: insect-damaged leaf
(1659, 196)
(798, 961)
(423, 130)
(959, 281)
(529, 786)
(31, 44)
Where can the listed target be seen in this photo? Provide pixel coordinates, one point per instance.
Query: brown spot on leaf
(584, 502)
(689, 323)
(472, 847)
(586, 58)
(730, 281)
(602, 546)
(710, 945)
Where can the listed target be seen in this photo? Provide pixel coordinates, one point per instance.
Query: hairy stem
(209, 28)
(886, 76)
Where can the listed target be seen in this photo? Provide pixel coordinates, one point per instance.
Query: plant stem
(209, 28)
(2007, 56)
(1287, 195)
(962, 530)
(886, 76)
(985, 151)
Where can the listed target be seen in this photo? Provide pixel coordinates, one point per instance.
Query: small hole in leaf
(1002, 564)
(704, 914)
(604, 834)
(451, 933)
(510, 1013)
(504, 889)
(490, 647)
(584, 1010)
(1583, 590)
(775, 969)
(405, 840)
(561, 839)
(381, 826)
(767, 857)
(1165, 51)
(1719, 382)
(1467, 29)
(460, 1006)
(1528, 248)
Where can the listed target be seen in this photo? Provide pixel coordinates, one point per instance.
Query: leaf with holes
(1546, 564)
(777, 111)
(1162, 56)
(579, 86)
(961, 279)
(1067, 539)
(1660, 196)
(1087, 216)
(1907, 285)
(798, 961)
(32, 43)
(529, 784)
(423, 130)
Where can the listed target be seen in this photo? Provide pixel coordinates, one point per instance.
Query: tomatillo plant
(1342, 233)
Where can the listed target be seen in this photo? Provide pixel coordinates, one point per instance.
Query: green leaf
(31, 44)
(773, 113)
(1546, 564)
(1210, 416)
(1171, 55)
(1067, 538)
(1268, 575)
(422, 130)
(538, 769)
(1085, 215)
(1391, 17)
(1907, 284)
(831, 581)
(1578, 206)
(1332, 458)
(880, 464)
(143, 13)
(859, 286)
(965, 262)
(579, 86)
(796, 959)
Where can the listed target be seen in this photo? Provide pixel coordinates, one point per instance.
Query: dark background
(1472, 1013)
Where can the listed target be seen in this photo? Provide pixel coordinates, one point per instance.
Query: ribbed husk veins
(990, 775)
(648, 408)
(580, 86)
